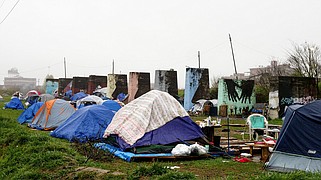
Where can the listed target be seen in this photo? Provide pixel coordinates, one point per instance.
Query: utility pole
(113, 67)
(199, 59)
(233, 56)
(65, 67)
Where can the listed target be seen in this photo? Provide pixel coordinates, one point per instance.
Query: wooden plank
(169, 158)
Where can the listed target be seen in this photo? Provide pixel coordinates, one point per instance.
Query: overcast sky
(149, 35)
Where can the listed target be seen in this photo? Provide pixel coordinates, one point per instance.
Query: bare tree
(214, 87)
(305, 59)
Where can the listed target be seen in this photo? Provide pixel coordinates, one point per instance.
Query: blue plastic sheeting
(68, 94)
(27, 115)
(14, 103)
(86, 124)
(78, 96)
(121, 96)
(179, 129)
(112, 105)
(125, 155)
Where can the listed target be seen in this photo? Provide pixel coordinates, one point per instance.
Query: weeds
(90, 152)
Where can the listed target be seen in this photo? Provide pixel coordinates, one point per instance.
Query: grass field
(33, 154)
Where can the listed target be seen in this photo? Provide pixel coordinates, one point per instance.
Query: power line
(2, 3)
(9, 12)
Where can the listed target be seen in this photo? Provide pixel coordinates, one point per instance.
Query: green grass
(33, 154)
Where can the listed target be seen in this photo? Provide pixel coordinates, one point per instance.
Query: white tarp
(144, 114)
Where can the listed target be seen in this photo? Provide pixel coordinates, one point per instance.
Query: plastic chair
(256, 122)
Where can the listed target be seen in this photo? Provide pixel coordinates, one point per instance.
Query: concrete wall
(293, 90)
(95, 81)
(116, 84)
(51, 86)
(139, 84)
(196, 86)
(235, 96)
(166, 81)
(79, 84)
(62, 84)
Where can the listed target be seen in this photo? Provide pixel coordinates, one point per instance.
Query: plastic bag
(181, 150)
(197, 149)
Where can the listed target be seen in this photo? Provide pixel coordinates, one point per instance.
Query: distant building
(239, 76)
(15, 81)
(274, 69)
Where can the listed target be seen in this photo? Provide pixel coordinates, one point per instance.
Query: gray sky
(147, 35)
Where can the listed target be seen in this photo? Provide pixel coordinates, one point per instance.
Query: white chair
(256, 122)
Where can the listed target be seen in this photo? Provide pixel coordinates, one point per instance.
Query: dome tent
(86, 124)
(51, 114)
(299, 143)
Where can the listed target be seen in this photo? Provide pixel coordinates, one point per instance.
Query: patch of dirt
(99, 171)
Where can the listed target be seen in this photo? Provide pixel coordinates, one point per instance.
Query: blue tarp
(78, 96)
(68, 94)
(125, 155)
(14, 103)
(87, 123)
(112, 105)
(27, 115)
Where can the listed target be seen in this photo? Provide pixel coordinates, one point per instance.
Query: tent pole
(228, 134)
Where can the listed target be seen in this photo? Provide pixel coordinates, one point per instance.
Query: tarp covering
(14, 103)
(144, 114)
(178, 129)
(86, 124)
(78, 96)
(127, 156)
(299, 140)
(89, 100)
(140, 122)
(112, 105)
(27, 115)
(52, 114)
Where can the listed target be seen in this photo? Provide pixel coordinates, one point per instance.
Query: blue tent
(289, 111)
(112, 105)
(78, 96)
(86, 124)
(299, 144)
(27, 115)
(14, 103)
